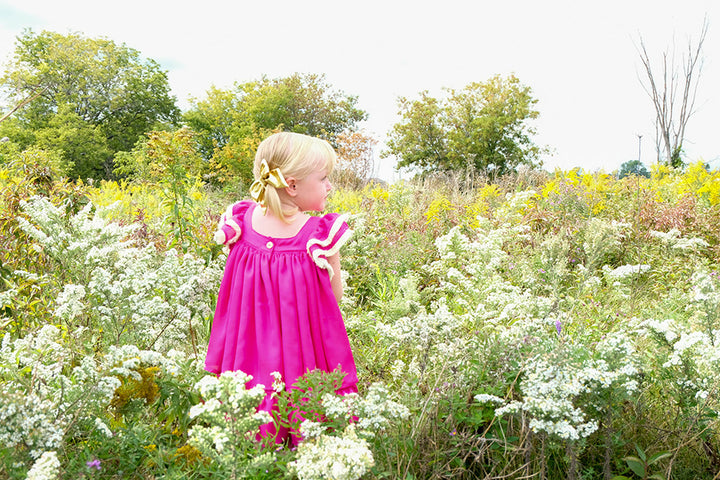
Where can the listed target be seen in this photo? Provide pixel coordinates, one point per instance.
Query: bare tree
(673, 95)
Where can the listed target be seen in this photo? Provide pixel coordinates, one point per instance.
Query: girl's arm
(336, 280)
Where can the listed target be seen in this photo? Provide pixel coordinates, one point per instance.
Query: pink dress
(276, 311)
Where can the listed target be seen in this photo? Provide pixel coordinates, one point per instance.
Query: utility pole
(639, 145)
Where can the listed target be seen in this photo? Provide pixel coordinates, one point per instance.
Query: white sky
(578, 57)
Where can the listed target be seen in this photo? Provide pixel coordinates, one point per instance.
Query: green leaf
(657, 457)
(641, 453)
(636, 465)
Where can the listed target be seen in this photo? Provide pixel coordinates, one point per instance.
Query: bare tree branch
(673, 112)
(35, 94)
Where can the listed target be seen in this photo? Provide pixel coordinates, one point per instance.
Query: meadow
(542, 325)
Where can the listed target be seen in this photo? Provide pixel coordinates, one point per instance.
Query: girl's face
(312, 191)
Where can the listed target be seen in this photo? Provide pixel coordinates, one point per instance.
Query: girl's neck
(267, 223)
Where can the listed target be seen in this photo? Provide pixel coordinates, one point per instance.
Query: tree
(633, 167)
(302, 104)
(298, 103)
(217, 119)
(420, 139)
(355, 159)
(231, 123)
(483, 127)
(104, 90)
(674, 98)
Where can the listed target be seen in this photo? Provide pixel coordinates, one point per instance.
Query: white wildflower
(701, 395)
(278, 385)
(668, 237)
(338, 406)
(689, 243)
(100, 425)
(47, 467)
(376, 410)
(69, 302)
(673, 238)
(625, 271)
(398, 370)
(340, 458)
(310, 429)
(486, 398)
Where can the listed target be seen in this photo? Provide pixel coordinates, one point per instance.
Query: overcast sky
(579, 58)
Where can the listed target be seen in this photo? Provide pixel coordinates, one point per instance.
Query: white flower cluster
(515, 205)
(694, 355)
(135, 295)
(125, 360)
(231, 420)
(422, 329)
(47, 467)
(375, 411)
(602, 240)
(401, 371)
(693, 346)
(503, 303)
(624, 271)
(7, 297)
(487, 398)
(323, 457)
(102, 427)
(310, 429)
(560, 397)
(666, 328)
(674, 239)
(42, 351)
(161, 295)
(26, 419)
(706, 288)
(470, 276)
(479, 257)
(48, 393)
(58, 237)
(69, 303)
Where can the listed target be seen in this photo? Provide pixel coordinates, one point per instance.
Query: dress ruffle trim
(320, 249)
(228, 230)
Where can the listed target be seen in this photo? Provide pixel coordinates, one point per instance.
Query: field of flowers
(546, 326)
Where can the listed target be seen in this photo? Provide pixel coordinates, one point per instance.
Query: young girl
(277, 309)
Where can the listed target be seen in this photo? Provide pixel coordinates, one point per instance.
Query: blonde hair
(295, 155)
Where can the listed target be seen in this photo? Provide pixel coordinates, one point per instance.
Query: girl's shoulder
(329, 226)
(229, 227)
(329, 233)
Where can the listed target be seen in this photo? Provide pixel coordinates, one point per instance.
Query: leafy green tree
(483, 127)
(420, 139)
(230, 123)
(633, 167)
(93, 98)
(303, 104)
(217, 119)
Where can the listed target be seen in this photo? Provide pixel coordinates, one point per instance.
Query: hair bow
(274, 177)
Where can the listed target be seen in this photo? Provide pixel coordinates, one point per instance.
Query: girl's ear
(291, 189)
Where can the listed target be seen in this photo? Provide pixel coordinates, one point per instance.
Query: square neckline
(247, 220)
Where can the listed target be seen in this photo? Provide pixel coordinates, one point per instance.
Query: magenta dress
(276, 311)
